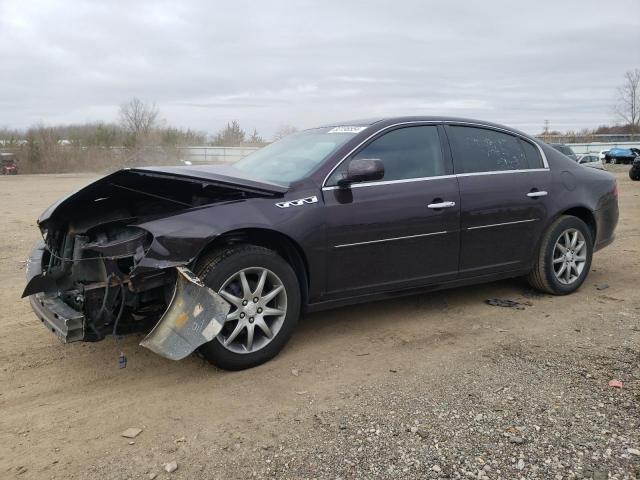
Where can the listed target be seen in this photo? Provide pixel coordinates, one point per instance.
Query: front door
(504, 188)
(400, 231)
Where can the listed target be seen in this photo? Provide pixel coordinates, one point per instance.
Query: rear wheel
(264, 295)
(564, 258)
(634, 173)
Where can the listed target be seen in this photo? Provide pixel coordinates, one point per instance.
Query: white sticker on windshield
(346, 129)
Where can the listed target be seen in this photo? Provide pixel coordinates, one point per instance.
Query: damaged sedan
(225, 259)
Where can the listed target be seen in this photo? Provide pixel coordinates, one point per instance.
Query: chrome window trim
(501, 224)
(437, 177)
(436, 122)
(501, 172)
(390, 182)
(389, 239)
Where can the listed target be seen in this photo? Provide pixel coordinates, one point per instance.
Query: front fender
(179, 239)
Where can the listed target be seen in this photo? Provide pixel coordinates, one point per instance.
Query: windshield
(295, 156)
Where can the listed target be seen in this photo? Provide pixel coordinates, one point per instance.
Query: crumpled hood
(222, 176)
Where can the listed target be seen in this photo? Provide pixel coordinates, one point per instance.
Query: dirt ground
(429, 386)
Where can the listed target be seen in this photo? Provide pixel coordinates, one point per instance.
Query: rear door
(398, 232)
(504, 190)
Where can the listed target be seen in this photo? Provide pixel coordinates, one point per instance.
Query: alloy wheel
(258, 299)
(569, 256)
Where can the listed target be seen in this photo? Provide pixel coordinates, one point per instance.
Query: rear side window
(483, 150)
(531, 152)
(409, 152)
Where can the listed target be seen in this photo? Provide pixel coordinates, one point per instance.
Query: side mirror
(362, 170)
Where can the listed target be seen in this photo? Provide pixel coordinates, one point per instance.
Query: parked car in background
(602, 154)
(624, 156)
(565, 149)
(8, 164)
(634, 172)
(225, 259)
(591, 160)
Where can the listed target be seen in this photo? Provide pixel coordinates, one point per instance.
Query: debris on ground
(504, 302)
(615, 383)
(295, 372)
(170, 467)
(131, 432)
(602, 286)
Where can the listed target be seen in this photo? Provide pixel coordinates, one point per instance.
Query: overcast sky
(267, 63)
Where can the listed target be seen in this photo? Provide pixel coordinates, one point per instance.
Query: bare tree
(283, 131)
(138, 118)
(628, 106)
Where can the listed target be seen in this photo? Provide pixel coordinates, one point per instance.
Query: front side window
(483, 150)
(409, 152)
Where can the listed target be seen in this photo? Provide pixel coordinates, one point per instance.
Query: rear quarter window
(532, 154)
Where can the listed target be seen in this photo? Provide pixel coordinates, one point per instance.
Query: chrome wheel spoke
(574, 239)
(250, 330)
(263, 278)
(272, 294)
(562, 269)
(234, 334)
(264, 327)
(232, 299)
(268, 311)
(567, 274)
(558, 260)
(246, 290)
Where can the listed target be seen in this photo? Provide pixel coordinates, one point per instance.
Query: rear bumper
(55, 315)
(606, 222)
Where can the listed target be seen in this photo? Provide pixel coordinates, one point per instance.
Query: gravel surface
(441, 385)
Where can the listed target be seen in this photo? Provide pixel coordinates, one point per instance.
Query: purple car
(225, 259)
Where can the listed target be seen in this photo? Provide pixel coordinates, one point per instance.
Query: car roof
(384, 121)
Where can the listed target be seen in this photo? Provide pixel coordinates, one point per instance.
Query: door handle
(442, 205)
(537, 193)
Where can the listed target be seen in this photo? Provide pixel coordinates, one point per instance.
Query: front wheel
(634, 173)
(263, 292)
(564, 259)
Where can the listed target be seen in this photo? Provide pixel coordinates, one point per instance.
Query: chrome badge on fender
(297, 203)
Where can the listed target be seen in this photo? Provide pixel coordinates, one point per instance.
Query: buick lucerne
(225, 259)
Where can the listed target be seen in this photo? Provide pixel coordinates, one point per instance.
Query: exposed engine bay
(104, 268)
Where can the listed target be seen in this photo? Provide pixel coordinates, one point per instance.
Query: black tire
(218, 266)
(543, 277)
(634, 173)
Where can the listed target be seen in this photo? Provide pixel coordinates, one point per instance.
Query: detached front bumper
(194, 316)
(56, 315)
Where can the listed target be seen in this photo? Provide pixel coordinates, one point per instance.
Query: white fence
(204, 155)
